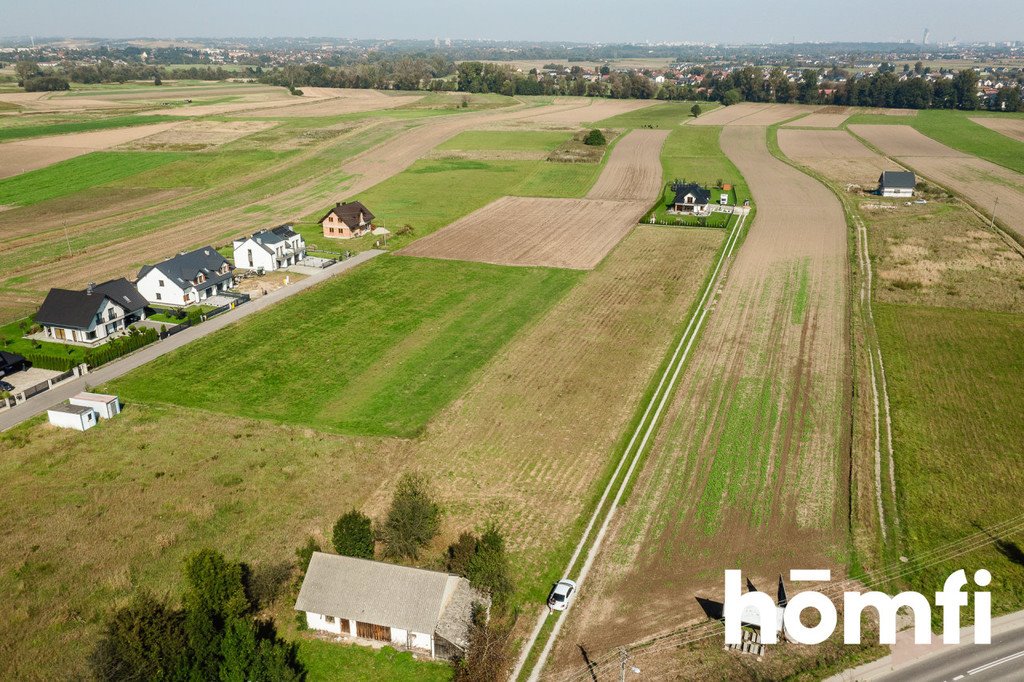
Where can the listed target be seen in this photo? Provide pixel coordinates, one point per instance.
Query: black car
(4, 386)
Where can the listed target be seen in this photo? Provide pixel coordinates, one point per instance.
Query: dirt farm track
(566, 233)
(768, 376)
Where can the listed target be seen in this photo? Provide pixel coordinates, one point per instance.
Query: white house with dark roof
(188, 278)
(93, 315)
(269, 249)
(690, 198)
(367, 601)
(897, 184)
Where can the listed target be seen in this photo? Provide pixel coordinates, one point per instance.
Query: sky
(621, 21)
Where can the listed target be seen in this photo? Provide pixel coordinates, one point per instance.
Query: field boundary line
(659, 397)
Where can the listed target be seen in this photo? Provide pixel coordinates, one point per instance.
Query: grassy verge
(353, 663)
(377, 351)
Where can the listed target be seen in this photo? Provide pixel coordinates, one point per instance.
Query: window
(160, 282)
(329, 620)
(158, 296)
(250, 258)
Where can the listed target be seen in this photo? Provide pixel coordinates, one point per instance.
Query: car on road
(560, 595)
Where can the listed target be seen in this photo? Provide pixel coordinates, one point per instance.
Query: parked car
(4, 386)
(560, 595)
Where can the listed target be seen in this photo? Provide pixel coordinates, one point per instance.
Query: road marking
(958, 677)
(988, 666)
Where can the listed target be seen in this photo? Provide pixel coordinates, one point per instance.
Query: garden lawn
(955, 382)
(79, 173)
(354, 663)
(955, 129)
(378, 351)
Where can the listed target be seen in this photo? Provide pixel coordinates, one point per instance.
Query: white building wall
(103, 409)
(170, 293)
(260, 257)
(67, 420)
(893, 192)
(317, 621)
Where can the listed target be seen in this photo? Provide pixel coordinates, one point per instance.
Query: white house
(187, 278)
(896, 184)
(91, 316)
(270, 249)
(690, 198)
(367, 601)
(68, 416)
(105, 406)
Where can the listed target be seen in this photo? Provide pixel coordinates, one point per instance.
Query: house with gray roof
(269, 250)
(897, 184)
(690, 198)
(188, 278)
(91, 316)
(370, 601)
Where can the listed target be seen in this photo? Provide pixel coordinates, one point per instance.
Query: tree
(304, 554)
(144, 640)
(732, 96)
(25, 69)
(595, 138)
(489, 654)
(695, 110)
(252, 652)
(965, 89)
(412, 520)
(489, 569)
(353, 535)
(156, 80)
(460, 553)
(214, 596)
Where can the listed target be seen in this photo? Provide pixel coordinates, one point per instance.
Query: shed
(106, 406)
(68, 416)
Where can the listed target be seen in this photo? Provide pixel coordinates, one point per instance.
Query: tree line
(33, 78)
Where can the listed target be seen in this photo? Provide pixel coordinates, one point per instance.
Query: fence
(41, 387)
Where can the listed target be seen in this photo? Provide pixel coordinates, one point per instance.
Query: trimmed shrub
(57, 363)
(112, 350)
(353, 535)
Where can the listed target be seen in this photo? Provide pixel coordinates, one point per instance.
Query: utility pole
(993, 218)
(624, 663)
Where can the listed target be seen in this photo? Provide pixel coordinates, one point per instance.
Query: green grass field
(79, 173)
(663, 115)
(955, 380)
(955, 129)
(525, 140)
(26, 131)
(378, 351)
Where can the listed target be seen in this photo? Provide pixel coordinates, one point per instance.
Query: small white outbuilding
(68, 416)
(106, 406)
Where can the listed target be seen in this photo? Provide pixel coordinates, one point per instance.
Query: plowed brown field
(576, 111)
(821, 120)
(750, 114)
(981, 182)
(836, 154)
(564, 233)
(748, 470)
(1011, 127)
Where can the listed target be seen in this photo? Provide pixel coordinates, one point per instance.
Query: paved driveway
(44, 401)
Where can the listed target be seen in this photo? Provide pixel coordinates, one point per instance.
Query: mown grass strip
(29, 131)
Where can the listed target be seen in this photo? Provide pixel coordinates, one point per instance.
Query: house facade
(897, 184)
(91, 316)
(269, 249)
(186, 279)
(347, 220)
(690, 198)
(370, 601)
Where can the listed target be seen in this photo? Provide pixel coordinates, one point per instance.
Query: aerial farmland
(537, 350)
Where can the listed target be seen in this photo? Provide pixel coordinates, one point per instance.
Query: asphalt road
(1003, 659)
(44, 401)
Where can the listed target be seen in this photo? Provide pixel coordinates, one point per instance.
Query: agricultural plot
(196, 135)
(827, 117)
(333, 102)
(575, 111)
(342, 357)
(544, 404)
(558, 232)
(666, 115)
(954, 379)
(747, 470)
(1013, 128)
(751, 114)
(21, 157)
(980, 182)
(835, 154)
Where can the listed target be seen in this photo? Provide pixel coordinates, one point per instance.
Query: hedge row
(58, 363)
(138, 338)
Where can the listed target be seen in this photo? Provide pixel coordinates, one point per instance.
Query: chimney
(88, 289)
(206, 252)
(337, 204)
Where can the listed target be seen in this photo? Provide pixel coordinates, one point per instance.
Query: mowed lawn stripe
(376, 352)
